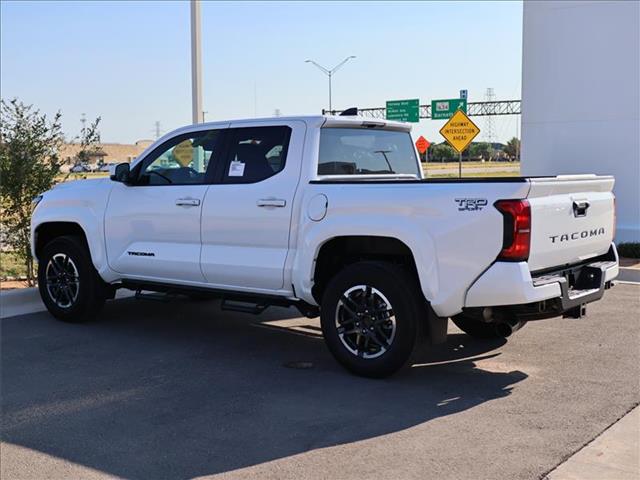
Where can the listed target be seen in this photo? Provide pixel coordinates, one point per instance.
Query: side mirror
(120, 173)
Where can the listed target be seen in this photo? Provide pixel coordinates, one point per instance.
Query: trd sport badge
(471, 204)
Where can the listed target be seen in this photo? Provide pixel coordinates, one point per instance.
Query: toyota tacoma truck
(332, 215)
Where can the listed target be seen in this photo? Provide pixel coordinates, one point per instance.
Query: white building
(581, 96)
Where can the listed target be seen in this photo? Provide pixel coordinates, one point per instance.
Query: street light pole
(329, 73)
(196, 64)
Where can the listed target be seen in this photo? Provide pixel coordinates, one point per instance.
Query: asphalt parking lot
(181, 390)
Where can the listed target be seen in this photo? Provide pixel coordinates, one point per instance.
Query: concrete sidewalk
(629, 270)
(23, 301)
(614, 455)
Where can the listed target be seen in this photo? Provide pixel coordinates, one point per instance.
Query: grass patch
(489, 173)
(629, 250)
(11, 266)
(438, 165)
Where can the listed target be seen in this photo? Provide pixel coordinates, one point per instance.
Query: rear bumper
(511, 284)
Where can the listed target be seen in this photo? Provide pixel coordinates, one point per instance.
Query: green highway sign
(444, 109)
(404, 110)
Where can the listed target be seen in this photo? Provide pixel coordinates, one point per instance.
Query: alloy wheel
(365, 321)
(62, 280)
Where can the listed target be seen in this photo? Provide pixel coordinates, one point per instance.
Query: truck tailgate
(572, 219)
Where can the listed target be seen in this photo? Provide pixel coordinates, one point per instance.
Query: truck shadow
(181, 389)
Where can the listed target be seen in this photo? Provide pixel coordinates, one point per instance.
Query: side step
(153, 296)
(244, 307)
(231, 301)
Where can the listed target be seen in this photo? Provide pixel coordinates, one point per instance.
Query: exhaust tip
(506, 329)
(503, 329)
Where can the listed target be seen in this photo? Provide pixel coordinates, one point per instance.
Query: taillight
(517, 229)
(614, 219)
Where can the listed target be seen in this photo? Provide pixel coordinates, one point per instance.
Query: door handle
(271, 202)
(187, 202)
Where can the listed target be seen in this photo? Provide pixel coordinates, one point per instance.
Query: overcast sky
(129, 62)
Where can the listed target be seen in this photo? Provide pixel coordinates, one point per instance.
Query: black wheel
(69, 285)
(474, 327)
(371, 314)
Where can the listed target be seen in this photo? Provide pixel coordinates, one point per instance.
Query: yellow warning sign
(459, 131)
(183, 153)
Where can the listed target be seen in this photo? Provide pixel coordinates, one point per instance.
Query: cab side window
(183, 160)
(256, 153)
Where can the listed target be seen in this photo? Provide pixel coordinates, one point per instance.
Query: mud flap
(436, 327)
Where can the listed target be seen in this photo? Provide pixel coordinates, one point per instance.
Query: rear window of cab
(359, 151)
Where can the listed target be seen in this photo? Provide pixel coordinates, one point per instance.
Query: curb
(614, 453)
(20, 302)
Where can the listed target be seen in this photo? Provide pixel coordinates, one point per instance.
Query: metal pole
(330, 93)
(518, 137)
(196, 63)
(459, 164)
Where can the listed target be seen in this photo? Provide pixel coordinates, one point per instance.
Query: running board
(233, 301)
(244, 307)
(153, 296)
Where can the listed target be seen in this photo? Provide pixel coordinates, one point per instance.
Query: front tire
(371, 314)
(69, 285)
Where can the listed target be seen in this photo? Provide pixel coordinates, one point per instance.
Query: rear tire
(371, 317)
(69, 285)
(476, 328)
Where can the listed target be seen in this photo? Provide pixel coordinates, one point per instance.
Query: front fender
(84, 207)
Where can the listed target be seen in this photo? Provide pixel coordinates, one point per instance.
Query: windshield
(359, 151)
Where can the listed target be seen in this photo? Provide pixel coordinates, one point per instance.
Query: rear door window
(256, 153)
(358, 151)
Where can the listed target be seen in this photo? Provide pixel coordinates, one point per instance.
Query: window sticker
(236, 169)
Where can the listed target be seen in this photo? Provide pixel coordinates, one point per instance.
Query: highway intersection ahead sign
(459, 131)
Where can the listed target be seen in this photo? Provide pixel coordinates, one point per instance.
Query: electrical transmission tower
(157, 129)
(83, 121)
(488, 124)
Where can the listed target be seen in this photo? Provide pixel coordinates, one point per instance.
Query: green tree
(29, 163)
(89, 140)
(480, 150)
(513, 148)
(442, 152)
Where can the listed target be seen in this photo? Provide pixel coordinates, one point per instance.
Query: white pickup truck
(331, 215)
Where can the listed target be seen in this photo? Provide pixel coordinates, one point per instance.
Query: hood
(86, 184)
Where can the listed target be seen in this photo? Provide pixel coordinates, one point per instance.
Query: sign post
(404, 110)
(443, 109)
(459, 131)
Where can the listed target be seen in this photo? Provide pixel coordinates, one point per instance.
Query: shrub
(629, 250)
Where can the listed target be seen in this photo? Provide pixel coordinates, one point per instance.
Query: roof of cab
(310, 120)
